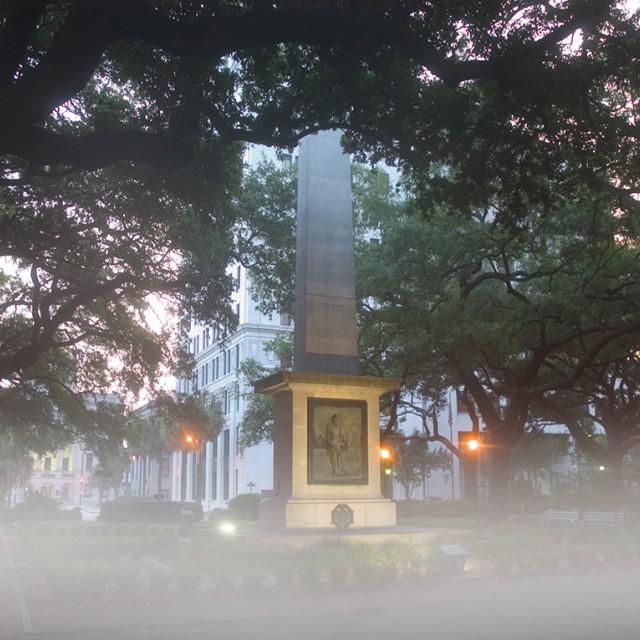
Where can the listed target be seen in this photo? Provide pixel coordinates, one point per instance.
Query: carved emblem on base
(342, 516)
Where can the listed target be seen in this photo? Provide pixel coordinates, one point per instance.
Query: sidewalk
(596, 606)
(14, 616)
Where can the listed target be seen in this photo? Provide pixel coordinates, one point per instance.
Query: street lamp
(387, 482)
(191, 441)
(385, 456)
(473, 447)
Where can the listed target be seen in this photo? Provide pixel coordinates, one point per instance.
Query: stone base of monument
(326, 440)
(282, 515)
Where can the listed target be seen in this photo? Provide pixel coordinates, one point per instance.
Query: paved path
(14, 616)
(599, 607)
(602, 606)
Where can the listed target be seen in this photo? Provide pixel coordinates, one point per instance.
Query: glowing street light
(227, 527)
(385, 456)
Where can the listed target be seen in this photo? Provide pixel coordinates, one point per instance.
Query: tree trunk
(498, 500)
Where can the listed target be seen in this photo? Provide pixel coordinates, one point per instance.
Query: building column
(190, 487)
(176, 473)
(207, 475)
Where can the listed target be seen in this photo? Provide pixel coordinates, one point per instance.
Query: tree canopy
(84, 254)
(519, 318)
(516, 318)
(85, 84)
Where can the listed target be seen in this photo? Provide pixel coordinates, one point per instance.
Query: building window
(226, 362)
(47, 464)
(88, 461)
(65, 464)
(227, 403)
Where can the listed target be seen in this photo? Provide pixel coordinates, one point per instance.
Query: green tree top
(90, 84)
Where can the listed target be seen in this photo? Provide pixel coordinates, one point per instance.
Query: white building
(219, 471)
(225, 471)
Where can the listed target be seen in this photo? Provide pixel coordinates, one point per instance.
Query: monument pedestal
(326, 452)
(280, 515)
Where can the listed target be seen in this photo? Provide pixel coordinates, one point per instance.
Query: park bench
(583, 517)
(561, 517)
(602, 517)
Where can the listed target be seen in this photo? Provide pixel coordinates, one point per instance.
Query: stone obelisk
(325, 339)
(326, 417)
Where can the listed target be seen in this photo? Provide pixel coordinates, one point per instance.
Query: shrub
(245, 506)
(183, 512)
(435, 509)
(39, 507)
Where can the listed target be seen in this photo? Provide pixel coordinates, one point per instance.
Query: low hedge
(24, 513)
(37, 507)
(143, 511)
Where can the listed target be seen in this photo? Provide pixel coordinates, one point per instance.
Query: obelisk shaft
(325, 338)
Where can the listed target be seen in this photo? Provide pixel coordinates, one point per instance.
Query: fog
(93, 583)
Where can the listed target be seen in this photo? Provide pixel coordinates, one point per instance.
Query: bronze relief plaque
(337, 441)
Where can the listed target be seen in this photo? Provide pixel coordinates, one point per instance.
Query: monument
(326, 417)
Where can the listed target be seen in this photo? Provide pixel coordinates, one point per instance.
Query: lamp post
(387, 472)
(191, 441)
(473, 446)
